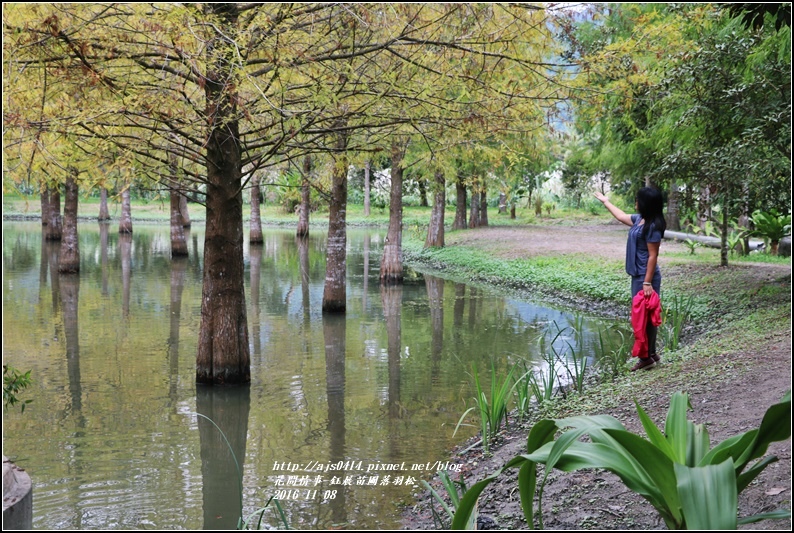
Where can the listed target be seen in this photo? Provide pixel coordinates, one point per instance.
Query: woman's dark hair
(650, 205)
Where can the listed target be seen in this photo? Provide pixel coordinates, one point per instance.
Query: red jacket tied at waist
(643, 309)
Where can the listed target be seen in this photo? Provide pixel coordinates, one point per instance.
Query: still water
(340, 414)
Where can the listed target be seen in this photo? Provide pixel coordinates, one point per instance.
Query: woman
(642, 254)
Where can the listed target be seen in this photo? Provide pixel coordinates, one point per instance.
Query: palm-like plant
(691, 485)
(771, 226)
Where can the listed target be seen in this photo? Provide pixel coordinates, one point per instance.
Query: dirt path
(744, 382)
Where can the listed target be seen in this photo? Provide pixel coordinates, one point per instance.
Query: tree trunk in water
(435, 295)
(69, 290)
(367, 184)
(391, 299)
(483, 207)
(673, 209)
(45, 206)
(335, 338)
(104, 214)
(255, 232)
(391, 266)
(54, 226)
(474, 214)
(422, 192)
(178, 240)
(103, 256)
(125, 224)
(335, 290)
(435, 232)
(184, 210)
(125, 251)
(69, 259)
(178, 271)
(223, 355)
(305, 207)
(460, 208)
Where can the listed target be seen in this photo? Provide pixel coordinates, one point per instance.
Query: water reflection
(223, 441)
(69, 289)
(335, 336)
(385, 383)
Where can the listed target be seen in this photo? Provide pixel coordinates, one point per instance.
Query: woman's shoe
(656, 358)
(643, 363)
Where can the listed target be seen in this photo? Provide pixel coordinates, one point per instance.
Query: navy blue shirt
(637, 247)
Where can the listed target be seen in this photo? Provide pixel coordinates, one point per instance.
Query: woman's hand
(600, 197)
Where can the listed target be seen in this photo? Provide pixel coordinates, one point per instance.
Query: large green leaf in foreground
(690, 484)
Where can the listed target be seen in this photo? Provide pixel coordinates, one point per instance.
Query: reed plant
(572, 359)
(676, 313)
(543, 382)
(611, 363)
(491, 411)
(451, 487)
(523, 391)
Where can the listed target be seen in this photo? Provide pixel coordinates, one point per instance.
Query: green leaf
(751, 473)
(775, 426)
(654, 433)
(697, 443)
(780, 514)
(527, 479)
(676, 425)
(708, 495)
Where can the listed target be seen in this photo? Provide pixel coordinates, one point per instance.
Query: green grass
(604, 279)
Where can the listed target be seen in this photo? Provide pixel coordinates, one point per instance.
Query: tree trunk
(367, 184)
(178, 240)
(704, 207)
(483, 206)
(104, 213)
(45, 205)
(422, 192)
(255, 232)
(502, 203)
(474, 214)
(673, 209)
(125, 224)
(391, 266)
(223, 355)
(513, 212)
(724, 237)
(54, 225)
(184, 210)
(460, 208)
(435, 232)
(335, 290)
(305, 207)
(69, 259)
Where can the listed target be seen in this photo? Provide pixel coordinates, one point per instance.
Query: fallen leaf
(774, 492)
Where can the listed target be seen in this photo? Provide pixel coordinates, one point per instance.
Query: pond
(343, 417)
